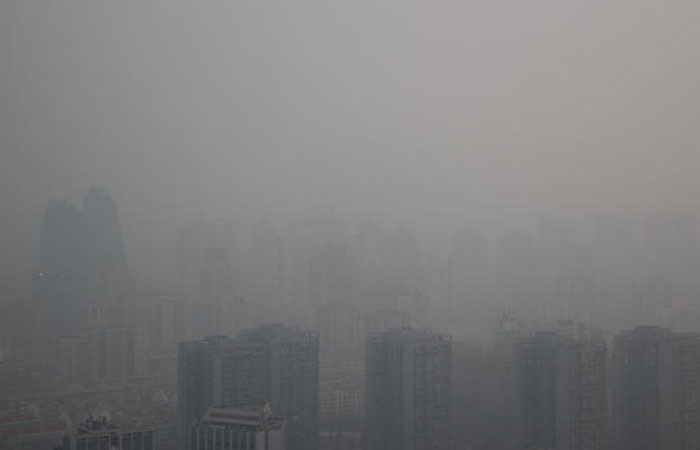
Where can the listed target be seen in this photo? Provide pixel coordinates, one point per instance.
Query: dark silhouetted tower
(560, 393)
(656, 382)
(81, 258)
(271, 363)
(408, 390)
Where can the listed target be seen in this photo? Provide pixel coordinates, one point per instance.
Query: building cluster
(87, 341)
(273, 364)
(611, 271)
(406, 403)
(315, 337)
(564, 388)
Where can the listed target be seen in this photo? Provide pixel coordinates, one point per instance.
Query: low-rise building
(100, 434)
(241, 427)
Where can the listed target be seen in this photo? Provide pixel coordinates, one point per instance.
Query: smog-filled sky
(436, 114)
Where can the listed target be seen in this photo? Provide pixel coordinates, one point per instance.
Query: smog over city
(368, 225)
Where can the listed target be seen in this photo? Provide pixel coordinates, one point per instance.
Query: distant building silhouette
(166, 324)
(112, 353)
(102, 245)
(81, 259)
(332, 275)
(468, 273)
(519, 267)
(207, 270)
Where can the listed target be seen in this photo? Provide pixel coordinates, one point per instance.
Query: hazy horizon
(439, 115)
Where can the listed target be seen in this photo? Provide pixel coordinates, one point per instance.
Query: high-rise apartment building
(112, 353)
(656, 390)
(559, 393)
(271, 363)
(218, 370)
(292, 380)
(339, 329)
(207, 270)
(122, 352)
(385, 319)
(408, 389)
(341, 362)
(167, 324)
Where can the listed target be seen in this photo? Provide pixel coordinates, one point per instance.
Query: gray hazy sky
(435, 112)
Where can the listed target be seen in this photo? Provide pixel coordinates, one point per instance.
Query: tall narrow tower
(271, 363)
(656, 384)
(560, 393)
(81, 258)
(408, 388)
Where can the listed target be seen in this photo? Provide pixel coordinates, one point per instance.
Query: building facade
(408, 390)
(99, 434)
(113, 353)
(292, 380)
(656, 395)
(560, 393)
(271, 363)
(238, 427)
(217, 370)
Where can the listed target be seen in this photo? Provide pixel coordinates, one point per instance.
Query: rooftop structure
(245, 426)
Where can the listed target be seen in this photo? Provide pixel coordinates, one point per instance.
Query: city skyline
(313, 225)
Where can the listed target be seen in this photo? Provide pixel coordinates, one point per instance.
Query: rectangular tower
(559, 393)
(292, 379)
(408, 387)
(656, 397)
(271, 363)
(218, 371)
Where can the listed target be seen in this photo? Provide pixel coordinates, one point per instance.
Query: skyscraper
(264, 266)
(341, 362)
(218, 371)
(332, 275)
(468, 273)
(408, 384)
(207, 275)
(61, 259)
(292, 380)
(656, 384)
(271, 363)
(338, 325)
(166, 324)
(559, 393)
(519, 273)
(102, 245)
(81, 258)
